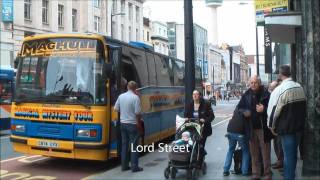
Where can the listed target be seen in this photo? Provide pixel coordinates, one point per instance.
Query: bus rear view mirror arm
(16, 62)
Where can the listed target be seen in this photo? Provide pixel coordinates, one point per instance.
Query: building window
(137, 35)
(96, 3)
(74, 20)
(60, 15)
(123, 7)
(96, 23)
(45, 9)
(137, 14)
(114, 6)
(114, 28)
(122, 32)
(130, 11)
(130, 34)
(27, 9)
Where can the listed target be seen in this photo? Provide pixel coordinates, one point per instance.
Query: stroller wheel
(189, 174)
(195, 173)
(173, 172)
(167, 172)
(204, 168)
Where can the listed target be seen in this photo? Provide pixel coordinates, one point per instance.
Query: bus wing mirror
(16, 62)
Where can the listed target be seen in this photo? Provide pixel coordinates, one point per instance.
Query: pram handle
(196, 120)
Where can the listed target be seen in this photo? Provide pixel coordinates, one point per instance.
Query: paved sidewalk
(155, 163)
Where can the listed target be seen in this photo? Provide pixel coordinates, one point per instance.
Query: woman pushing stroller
(200, 108)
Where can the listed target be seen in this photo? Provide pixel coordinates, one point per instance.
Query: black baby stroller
(188, 160)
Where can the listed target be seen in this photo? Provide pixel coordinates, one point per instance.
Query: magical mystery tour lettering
(48, 114)
(165, 100)
(83, 116)
(56, 115)
(27, 113)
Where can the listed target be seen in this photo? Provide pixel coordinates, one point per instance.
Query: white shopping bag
(179, 121)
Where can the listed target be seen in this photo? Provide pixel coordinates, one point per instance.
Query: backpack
(237, 160)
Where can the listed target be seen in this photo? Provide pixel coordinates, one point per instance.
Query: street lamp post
(203, 60)
(189, 52)
(116, 14)
(257, 50)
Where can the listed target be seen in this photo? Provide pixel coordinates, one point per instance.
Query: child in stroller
(188, 134)
(185, 139)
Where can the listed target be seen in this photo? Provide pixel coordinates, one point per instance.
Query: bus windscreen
(60, 70)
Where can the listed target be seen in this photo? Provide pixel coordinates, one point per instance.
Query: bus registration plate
(47, 144)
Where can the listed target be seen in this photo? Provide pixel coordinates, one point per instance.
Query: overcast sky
(236, 22)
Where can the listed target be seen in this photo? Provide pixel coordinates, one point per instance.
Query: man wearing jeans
(128, 104)
(288, 117)
(236, 134)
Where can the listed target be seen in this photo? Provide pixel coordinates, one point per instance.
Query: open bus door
(115, 54)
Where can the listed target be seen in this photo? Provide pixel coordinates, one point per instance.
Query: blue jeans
(130, 137)
(290, 148)
(243, 143)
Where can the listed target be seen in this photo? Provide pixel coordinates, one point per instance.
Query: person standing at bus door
(129, 106)
(200, 108)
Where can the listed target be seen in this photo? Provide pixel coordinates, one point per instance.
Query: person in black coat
(253, 105)
(200, 108)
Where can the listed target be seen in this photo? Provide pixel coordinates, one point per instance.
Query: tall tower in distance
(213, 20)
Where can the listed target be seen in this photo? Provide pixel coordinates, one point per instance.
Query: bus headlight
(18, 128)
(87, 133)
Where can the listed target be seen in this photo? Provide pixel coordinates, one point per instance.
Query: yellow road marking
(27, 159)
(23, 175)
(16, 175)
(12, 159)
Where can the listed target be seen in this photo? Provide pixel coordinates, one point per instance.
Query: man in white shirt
(129, 106)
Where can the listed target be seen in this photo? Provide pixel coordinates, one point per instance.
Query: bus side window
(170, 69)
(178, 71)
(139, 61)
(162, 69)
(128, 72)
(151, 69)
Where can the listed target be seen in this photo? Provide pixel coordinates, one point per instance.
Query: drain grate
(151, 164)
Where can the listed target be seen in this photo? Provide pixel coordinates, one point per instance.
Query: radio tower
(213, 20)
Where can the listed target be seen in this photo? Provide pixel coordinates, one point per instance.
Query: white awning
(281, 26)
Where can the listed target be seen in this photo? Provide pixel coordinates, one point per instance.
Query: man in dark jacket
(253, 105)
(236, 134)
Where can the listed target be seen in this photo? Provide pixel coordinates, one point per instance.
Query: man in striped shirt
(287, 113)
